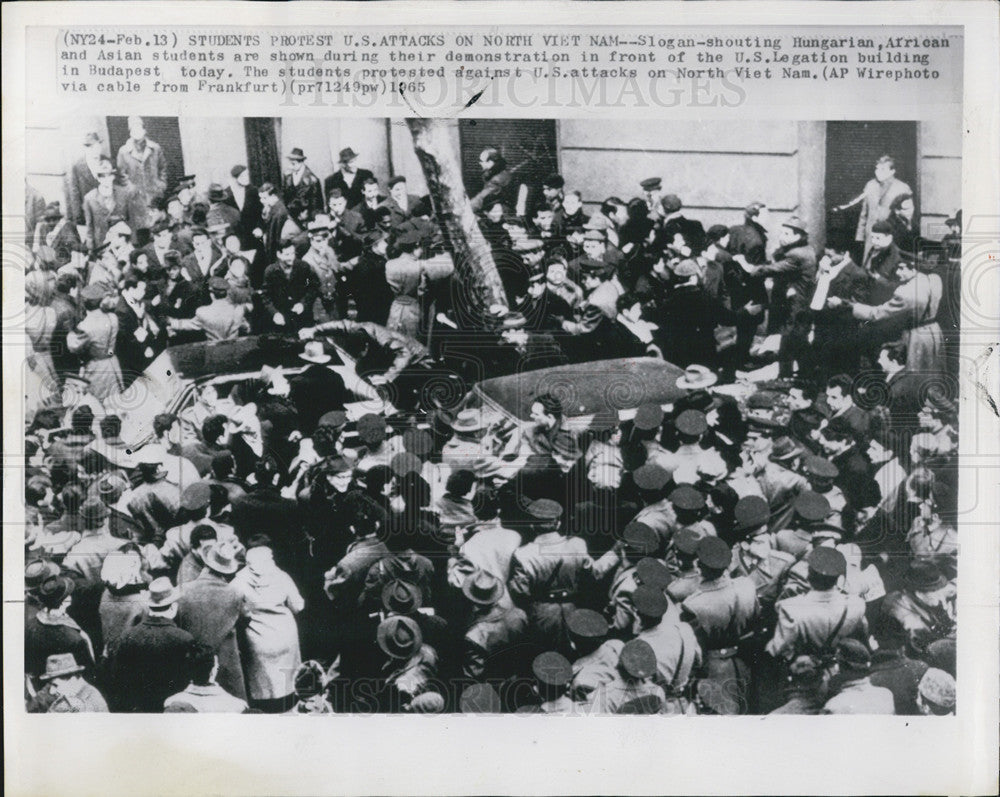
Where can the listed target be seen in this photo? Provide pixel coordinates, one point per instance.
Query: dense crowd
(781, 538)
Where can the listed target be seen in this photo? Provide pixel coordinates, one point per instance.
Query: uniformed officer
(809, 510)
(687, 577)
(673, 642)
(658, 513)
(813, 623)
(639, 541)
(632, 690)
(689, 506)
(721, 611)
(646, 428)
(596, 656)
(553, 674)
(755, 554)
(821, 474)
(548, 574)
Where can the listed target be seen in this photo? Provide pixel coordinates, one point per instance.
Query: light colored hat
(162, 593)
(59, 666)
(697, 377)
(469, 420)
(314, 353)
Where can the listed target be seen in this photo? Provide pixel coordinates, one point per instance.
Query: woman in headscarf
(271, 601)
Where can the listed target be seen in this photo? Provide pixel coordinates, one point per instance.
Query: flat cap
(637, 659)
(545, 509)
(691, 422)
(795, 223)
(640, 538)
(593, 235)
(882, 227)
(751, 512)
(648, 416)
(650, 477)
(686, 541)
(686, 268)
(587, 623)
(93, 293)
(196, 496)
(826, 561)
(652, 184)
(687, 497)
(715, 553)
(820, 468)
(218, 284)
(811, 506)
(649, 601)
(552, 669)
(937, 687)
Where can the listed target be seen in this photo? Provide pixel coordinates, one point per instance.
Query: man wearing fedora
(300, 183)
(349, 178)
(494, 643)
(65, 691)
(925, 606)
(410, 666)
(210, 608)
(220, 211)
(149, 663)
(155, 503)
(321, 258)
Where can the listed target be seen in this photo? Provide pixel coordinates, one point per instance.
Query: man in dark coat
(881, 261)
(51, 630)
(674, 223)
(793, 269)
(497, 181)
(82, 177)
(264, 511)
(244, 197)
(140, 338)
(56, 238)
(750, 238)
(290, 290)
(210, 608)
(349, 178)
(300, 183)
(149, 663)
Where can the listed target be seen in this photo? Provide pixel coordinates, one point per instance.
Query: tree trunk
(478, 284)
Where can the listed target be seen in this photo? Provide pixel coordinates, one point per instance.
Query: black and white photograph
(500, 398)
(492, 416)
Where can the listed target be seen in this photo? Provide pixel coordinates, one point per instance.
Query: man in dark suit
(841, 402)
(300, 183)
(244, 197)
(793, 269)
(750, 238)
(275, 224)
(149, 663)
(140, 338)
(904, 388)
(371, 200)
(675, 224)
(348, 178)
(290, 290)
(834, 348)
(881, 261)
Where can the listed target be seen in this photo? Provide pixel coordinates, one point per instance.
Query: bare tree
(474, 265)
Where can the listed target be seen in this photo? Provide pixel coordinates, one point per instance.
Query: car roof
(239, 355)
(601, 389)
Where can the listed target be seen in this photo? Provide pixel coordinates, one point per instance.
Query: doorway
(528, 145)
(851, 151)
(164, 130)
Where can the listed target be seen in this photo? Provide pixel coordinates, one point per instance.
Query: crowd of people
(780, 539)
